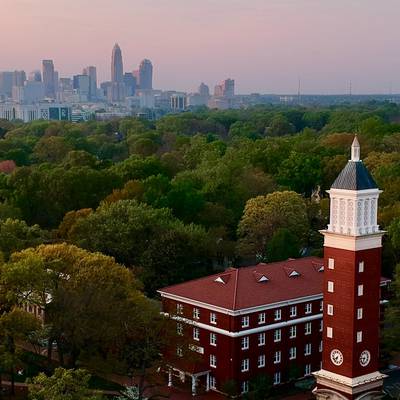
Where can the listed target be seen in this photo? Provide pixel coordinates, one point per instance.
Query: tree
(64, 384)
(280, 126)
(263, 216)
(283, 245)
(51, 149)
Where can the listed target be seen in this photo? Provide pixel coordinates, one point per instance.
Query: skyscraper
(49, 78)
(130, 84)
(19, 78)
(146, 75)
(225, 89)
(117, 69)
(6, 83)
(92, 73)
(204, 90)
(35, 76)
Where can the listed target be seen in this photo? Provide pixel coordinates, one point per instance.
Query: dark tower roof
(355, 175)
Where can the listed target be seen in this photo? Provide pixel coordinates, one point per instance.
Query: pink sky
(265, 45)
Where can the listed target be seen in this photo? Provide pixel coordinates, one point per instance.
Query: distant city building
(30, 93)
(28, 113)
(6, 83)
(49, 78)
(146, 75)
(225, 89)
(91, 72)
(130, 84)
(204, 90)
(19, 78)
(116, 91)
(178, 102)
(81, 83)
(35, 76)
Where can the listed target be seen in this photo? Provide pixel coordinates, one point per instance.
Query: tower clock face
(337, 357)
(365, 358)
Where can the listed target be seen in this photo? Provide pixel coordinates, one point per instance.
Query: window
(212, 381)
(292, 331)
(245, 365)
(213, 361)
(179, 351)
(179, 308)
(261, 339)
(277, 378)
(321, 325)
(321, 305)
(359, 336)
(292, 353)
(330, 287)
(179, 329)
(213, 318)
(307, 370)
(277, 357)
(196, 313)
(361, 266)
(278, 314)
(359, 313)
(244, 386)
(329, 332)
(321, 346)
(245, 343)
(360, 291)
(261, 318)
(196, 334)
(261, 361)
(308, 308)
(213, 339)
(293, 311)
(277, 335)
(307, 328)
(245, 321)
(331, 263)
(307, 349)
(329, 309)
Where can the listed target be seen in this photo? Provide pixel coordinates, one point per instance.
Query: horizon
(325, 45)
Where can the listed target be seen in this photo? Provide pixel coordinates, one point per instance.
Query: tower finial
(355, 149)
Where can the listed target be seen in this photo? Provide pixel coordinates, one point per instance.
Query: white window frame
(321, 346)
(179, 308)
(277, 335)
(331, 287)
(245, 365)
(277, 357)
(292, 353)
(321, 305)
(307, 370)
(277, 378)
(307, 328)
(196, 334)
(359, 313)
(329, 332)
(244, 387)
(261, 318)
(213, 361)
(360, 290)
(321, 325)
(359, 336)
(329, 309)
(245, 321)
(331, 263)
(261, 339)
(213, 318)
(293, 332)
(293, 311)
(245, 343)
(179, 328)
(196, 313)
(308, 308)
(261, 361)
(212, 382)
(277, 314)
(213, 339)
(307, 349)
(179, 351)
(361, 266)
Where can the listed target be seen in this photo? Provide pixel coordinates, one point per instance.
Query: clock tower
(352, 252)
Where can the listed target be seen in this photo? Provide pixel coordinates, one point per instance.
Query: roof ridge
(235, 289)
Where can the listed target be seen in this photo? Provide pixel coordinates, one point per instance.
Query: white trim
(248, 331)
(353, 243)
(249, 310)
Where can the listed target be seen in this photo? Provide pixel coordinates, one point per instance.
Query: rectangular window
(261, 361)
(245, 343)
(359, 336)
(213, 382)
(213, 318)
(245, 365)
(321, 325)
(307, 370)
(277, 357)
(321, 305)
(330, 287)
(360, 290)
(261, 318)
(179, 329)
(245, 321)
(179, 351)
(196, 334)
(244, 387)
(321, 346)
(278, 314)
(277, 335)
(261, 339)
(213, 339)
(277, 378)
(329, 332)
(361, 266)
(179, 308)
(359, 313)
(307, 328)
(293, 311)
(292, 331)
(329, 309)
(292, 353)
(307, 349)
(196, 313)
(308, 308)
(213, 361)
(331, 263)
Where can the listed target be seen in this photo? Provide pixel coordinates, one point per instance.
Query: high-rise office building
(204, 90)
(19, 78)
(225, 89)
(81, 83)
(91, 72)
(49, 78)
(6, 83)
(35, 76)
(117, 69)
(130, 84)
(146, 75)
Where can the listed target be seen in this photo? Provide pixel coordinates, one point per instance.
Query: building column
(170, 378)
(208, 382)
(194, 384)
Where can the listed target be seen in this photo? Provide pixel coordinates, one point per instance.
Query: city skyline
(264, 47)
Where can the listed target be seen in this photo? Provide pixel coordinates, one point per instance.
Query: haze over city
(264, 45)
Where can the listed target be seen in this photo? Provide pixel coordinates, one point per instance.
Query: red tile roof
(240, 288)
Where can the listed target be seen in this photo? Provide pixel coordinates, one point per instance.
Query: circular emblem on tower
(336, 357)
(365, 358)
